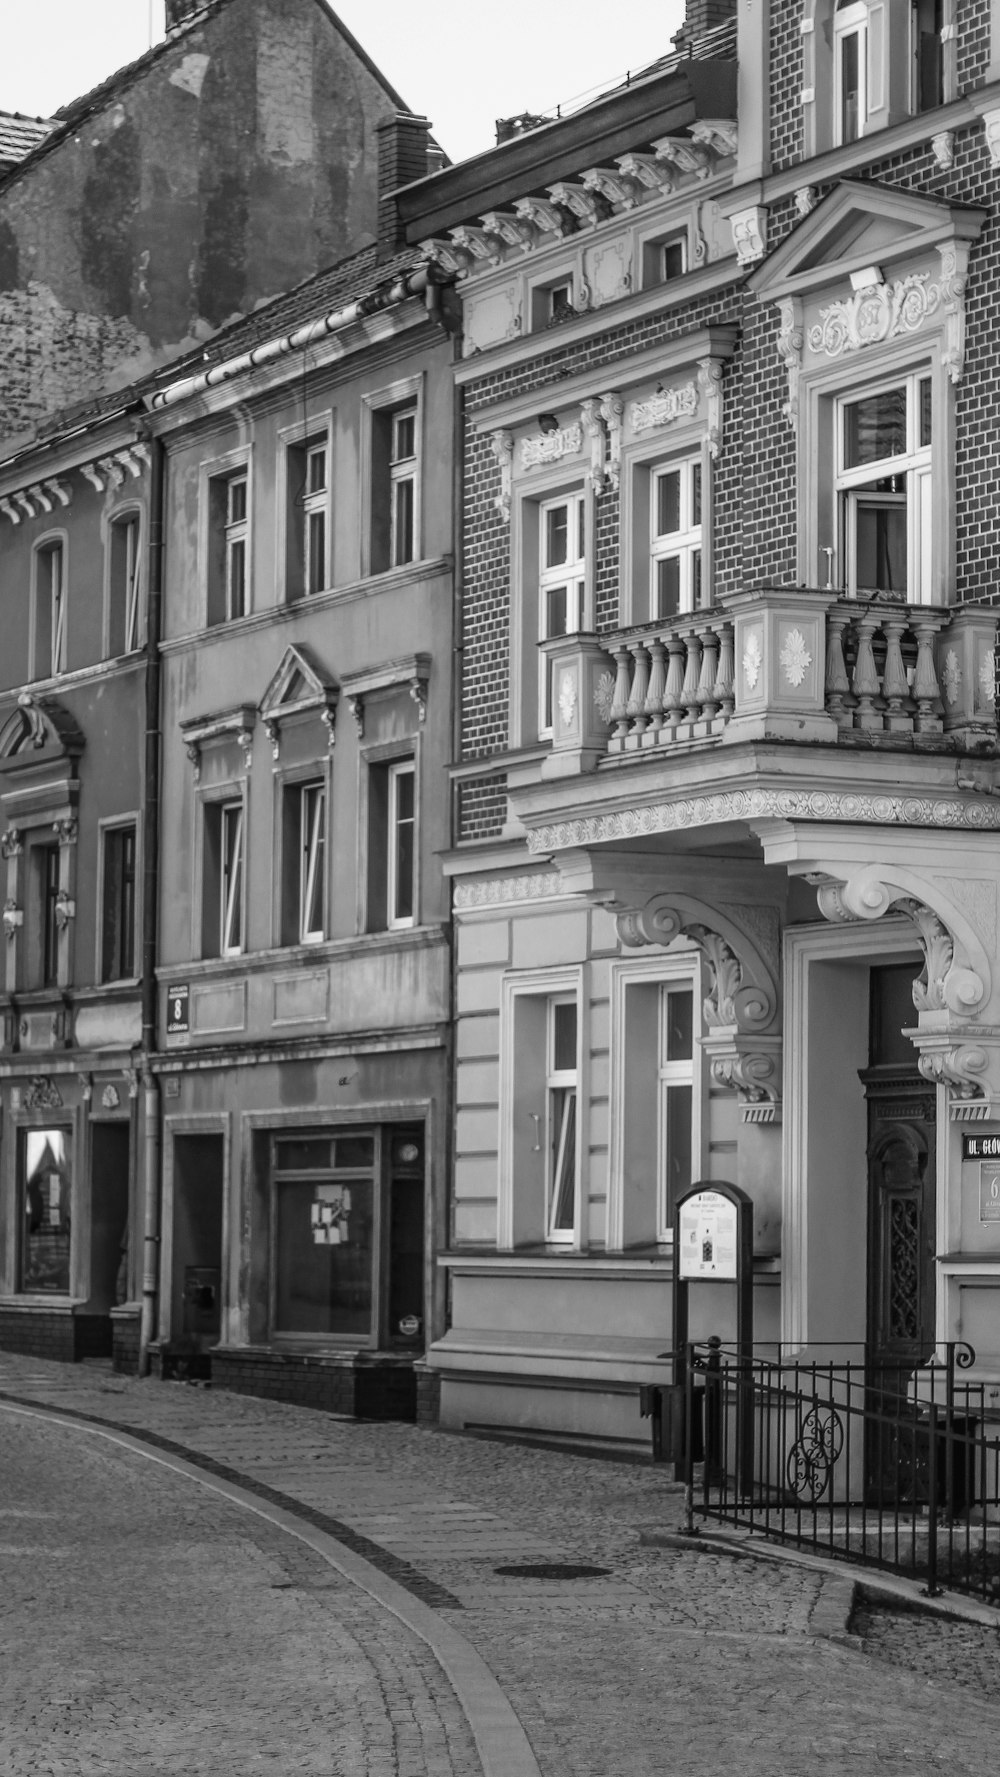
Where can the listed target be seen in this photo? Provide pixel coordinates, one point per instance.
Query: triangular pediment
(860, 223)
(298, 684)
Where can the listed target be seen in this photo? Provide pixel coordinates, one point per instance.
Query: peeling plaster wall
(240, 162)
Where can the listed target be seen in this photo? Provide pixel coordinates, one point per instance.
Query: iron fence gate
(873, 1462)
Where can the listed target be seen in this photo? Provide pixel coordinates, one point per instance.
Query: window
(348, 1234)
(551, 304)
(560, 1121)
(50, 610)
(44, 1204)
(118, 904)
(675, 539)
(664, 260)
(561, 582)
(228, 547)
(884, 490)
(395, 486)
(46, 859)
(927, 54)
(304, 857)
(676, 1093)
(307, 567)
(656, 1097)
(850, 41)
(123, 585)
(392, 845)
(222, 884)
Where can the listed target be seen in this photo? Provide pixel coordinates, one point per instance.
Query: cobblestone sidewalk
(669, 1661)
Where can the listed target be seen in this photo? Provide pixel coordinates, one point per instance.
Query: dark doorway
(901, 1224)
(196, 1283)
(110, 1156)
(405, 1295)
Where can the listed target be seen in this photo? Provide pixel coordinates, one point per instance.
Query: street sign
(178, 1006)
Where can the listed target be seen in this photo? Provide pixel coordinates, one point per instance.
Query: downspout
(150, 884)
(457, 681)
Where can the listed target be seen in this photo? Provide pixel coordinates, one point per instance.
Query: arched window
(850, 70)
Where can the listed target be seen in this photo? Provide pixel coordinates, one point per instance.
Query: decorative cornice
(749, 229)
(41, 497)
(474, 892)
(761, 804)
(682, 152)
(236, 724)
(579, 201)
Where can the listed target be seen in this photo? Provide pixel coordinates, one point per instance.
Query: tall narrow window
(50, 610)
(850, 40)
(231, 908)
(48, 882)
(118, 904)
(400, 849)
(675, 541)
(561, 582)
(927, 53)
(560, 1119)
(222, 885)
(45, 1180)
(885, 493)
(314, 503)
(228, 547)
(312, 827)
(676, 1078)
(403, 487)
(123, 585)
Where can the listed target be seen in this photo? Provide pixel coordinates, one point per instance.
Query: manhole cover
(552, 1570)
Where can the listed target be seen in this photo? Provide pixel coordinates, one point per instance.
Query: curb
(883, 1588)
(501, 1742)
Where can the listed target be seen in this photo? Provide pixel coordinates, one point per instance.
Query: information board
(708, 1237)
(989, 1191)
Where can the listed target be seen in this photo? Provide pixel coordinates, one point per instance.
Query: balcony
(777, 663)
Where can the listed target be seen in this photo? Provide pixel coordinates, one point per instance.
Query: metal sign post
(713, 1243)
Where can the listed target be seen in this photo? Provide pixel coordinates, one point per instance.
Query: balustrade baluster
(640, 686)
(709, 667)
(657, 687)
(692, 676)
(673, 701)
(895, 688)
(926, 690)
(623, 684)
(838, 685)
(725, 679)
(866, 685)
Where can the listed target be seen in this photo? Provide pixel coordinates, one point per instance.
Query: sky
(446, 58)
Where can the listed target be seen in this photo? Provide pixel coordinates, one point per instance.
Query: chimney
(178, 13)
(402, 157)
(701, 16)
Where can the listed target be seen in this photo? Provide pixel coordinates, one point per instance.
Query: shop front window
(324, 1190)
(45, 1190)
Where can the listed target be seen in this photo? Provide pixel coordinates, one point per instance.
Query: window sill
(838, 163)
(287, 956)
(290, 610)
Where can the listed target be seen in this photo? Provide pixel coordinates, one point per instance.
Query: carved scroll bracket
(957, 976)
(750, 1067)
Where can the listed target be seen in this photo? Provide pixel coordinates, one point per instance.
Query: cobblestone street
(167, 1618)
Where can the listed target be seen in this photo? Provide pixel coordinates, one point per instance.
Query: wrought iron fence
(870, 1460)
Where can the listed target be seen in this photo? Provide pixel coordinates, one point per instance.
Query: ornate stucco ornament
(753, 660)
(874, 314)
(710, 384)
(502, 446)
(791, 339)
(508, 228)
(549, 447)
(795, 658)
(957, 975)
(567, 698)
(663, 408)
(42, 1094)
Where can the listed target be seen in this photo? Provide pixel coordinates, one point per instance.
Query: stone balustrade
(779, 663)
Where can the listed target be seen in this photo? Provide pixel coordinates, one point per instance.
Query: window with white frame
(123, 584)
(675, 1074)
(561, 1087)
(222, 879)
(656, 1096)
(562, 571)
(307, 539)
(118, 856)
(392, 856)
(884, 489)
(927, 41)
(664, 260)
(229, 545)
(303, 912)
(394, 486)
(50, 609)
(552, 303)
(675, 538)
(850, 70)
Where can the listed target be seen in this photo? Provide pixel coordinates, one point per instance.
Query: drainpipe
(150, 883)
